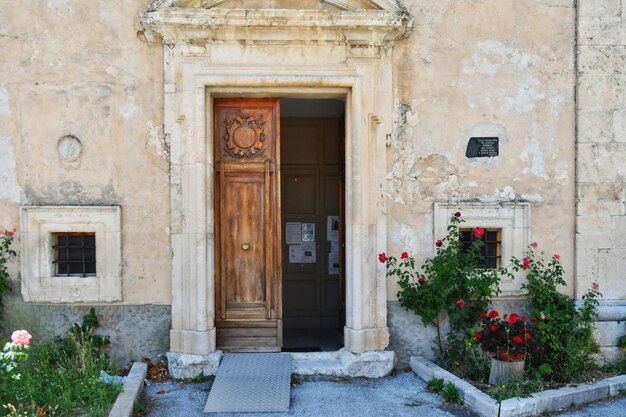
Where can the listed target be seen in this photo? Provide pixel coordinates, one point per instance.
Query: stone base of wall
(136, 331)
(409, 337)
(609, 327)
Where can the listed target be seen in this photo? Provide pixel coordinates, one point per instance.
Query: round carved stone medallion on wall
(69, 148)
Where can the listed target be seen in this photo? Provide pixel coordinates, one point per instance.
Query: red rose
(439, 243)
(526, 263)
(493, 328)
(421, 280)
(517, 340)
(460, 303)
(382, 257)
(457, 214)
(523, 318)
(404, 255)
(513, 318)
(493, 314)
(528, 335)
(483, 315)
(556, 256)
(477, 336)
(505, 316)
(478, 232)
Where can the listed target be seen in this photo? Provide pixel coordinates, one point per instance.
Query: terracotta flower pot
(507, 356)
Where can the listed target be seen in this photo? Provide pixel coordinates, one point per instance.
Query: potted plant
(510, 338)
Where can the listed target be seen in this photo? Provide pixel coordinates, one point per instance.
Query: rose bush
(512, 333)
(449, 285)
(6, 253)
(11, 354)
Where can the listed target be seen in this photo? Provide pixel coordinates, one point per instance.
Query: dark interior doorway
(312, 174)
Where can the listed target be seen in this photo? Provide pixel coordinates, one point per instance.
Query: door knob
(245, 246)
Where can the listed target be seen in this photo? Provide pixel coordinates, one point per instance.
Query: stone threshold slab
(124, 404)
(341, 363)
(534, 405)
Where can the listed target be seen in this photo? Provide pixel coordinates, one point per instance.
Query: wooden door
(247, 226)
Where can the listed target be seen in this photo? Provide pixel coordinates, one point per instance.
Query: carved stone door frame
(359, 72)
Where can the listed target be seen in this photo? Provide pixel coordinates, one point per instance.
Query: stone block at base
(376, 364)
(187, 365)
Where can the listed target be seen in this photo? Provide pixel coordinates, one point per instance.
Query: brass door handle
(245, 246)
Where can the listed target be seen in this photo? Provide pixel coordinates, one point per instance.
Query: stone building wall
(601, 162)
(81, 68)
(504, 68)
(482, 68)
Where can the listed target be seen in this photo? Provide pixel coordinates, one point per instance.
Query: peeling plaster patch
(492, 58)
(159, 140)
(506, 193)
(113, 71)
(532, 153)
(9, 188)
(404, 236)
(5, 110)
(129, 108)
(562, 177)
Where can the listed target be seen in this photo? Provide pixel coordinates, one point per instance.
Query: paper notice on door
(293, 233)
(295, 254)
(332, 228)
(334, 247)
(333, 264)
(308, 232)
(308, 252)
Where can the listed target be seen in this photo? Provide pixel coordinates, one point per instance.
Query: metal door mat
(251, 383)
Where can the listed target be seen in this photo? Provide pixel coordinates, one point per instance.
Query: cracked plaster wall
(72, 67)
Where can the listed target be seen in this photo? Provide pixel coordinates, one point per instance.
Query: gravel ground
(400, 395)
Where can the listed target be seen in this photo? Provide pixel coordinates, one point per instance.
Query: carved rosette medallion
(245, 135)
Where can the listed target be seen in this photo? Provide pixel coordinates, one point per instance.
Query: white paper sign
(308, 232)
(332, 228)
(308, 252)
(333, 264)
(334, 247)
(295, 254)
(293, 233)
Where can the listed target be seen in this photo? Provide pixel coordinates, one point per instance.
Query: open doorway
(312, 207)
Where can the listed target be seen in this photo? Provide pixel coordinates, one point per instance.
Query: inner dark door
(312, 241)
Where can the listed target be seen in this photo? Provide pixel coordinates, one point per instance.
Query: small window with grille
(75, 254)
(490, 255)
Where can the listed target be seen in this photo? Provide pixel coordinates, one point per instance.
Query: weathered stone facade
(112, 113)
(601, 157)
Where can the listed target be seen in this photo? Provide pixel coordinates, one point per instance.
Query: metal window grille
(490, 257)
(75, 254)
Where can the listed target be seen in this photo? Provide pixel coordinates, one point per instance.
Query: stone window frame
(38, 278)
(513, 218)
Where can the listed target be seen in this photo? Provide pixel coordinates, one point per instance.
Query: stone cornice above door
(208, 21)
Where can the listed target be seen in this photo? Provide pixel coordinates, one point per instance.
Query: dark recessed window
(75, 254)
(490, 256)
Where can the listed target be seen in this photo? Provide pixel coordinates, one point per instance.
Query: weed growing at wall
(6, 253)
(62, 376)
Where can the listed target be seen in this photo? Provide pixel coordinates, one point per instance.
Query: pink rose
(460, 303)
(534, 245)
(21, 337)
(556, 256)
